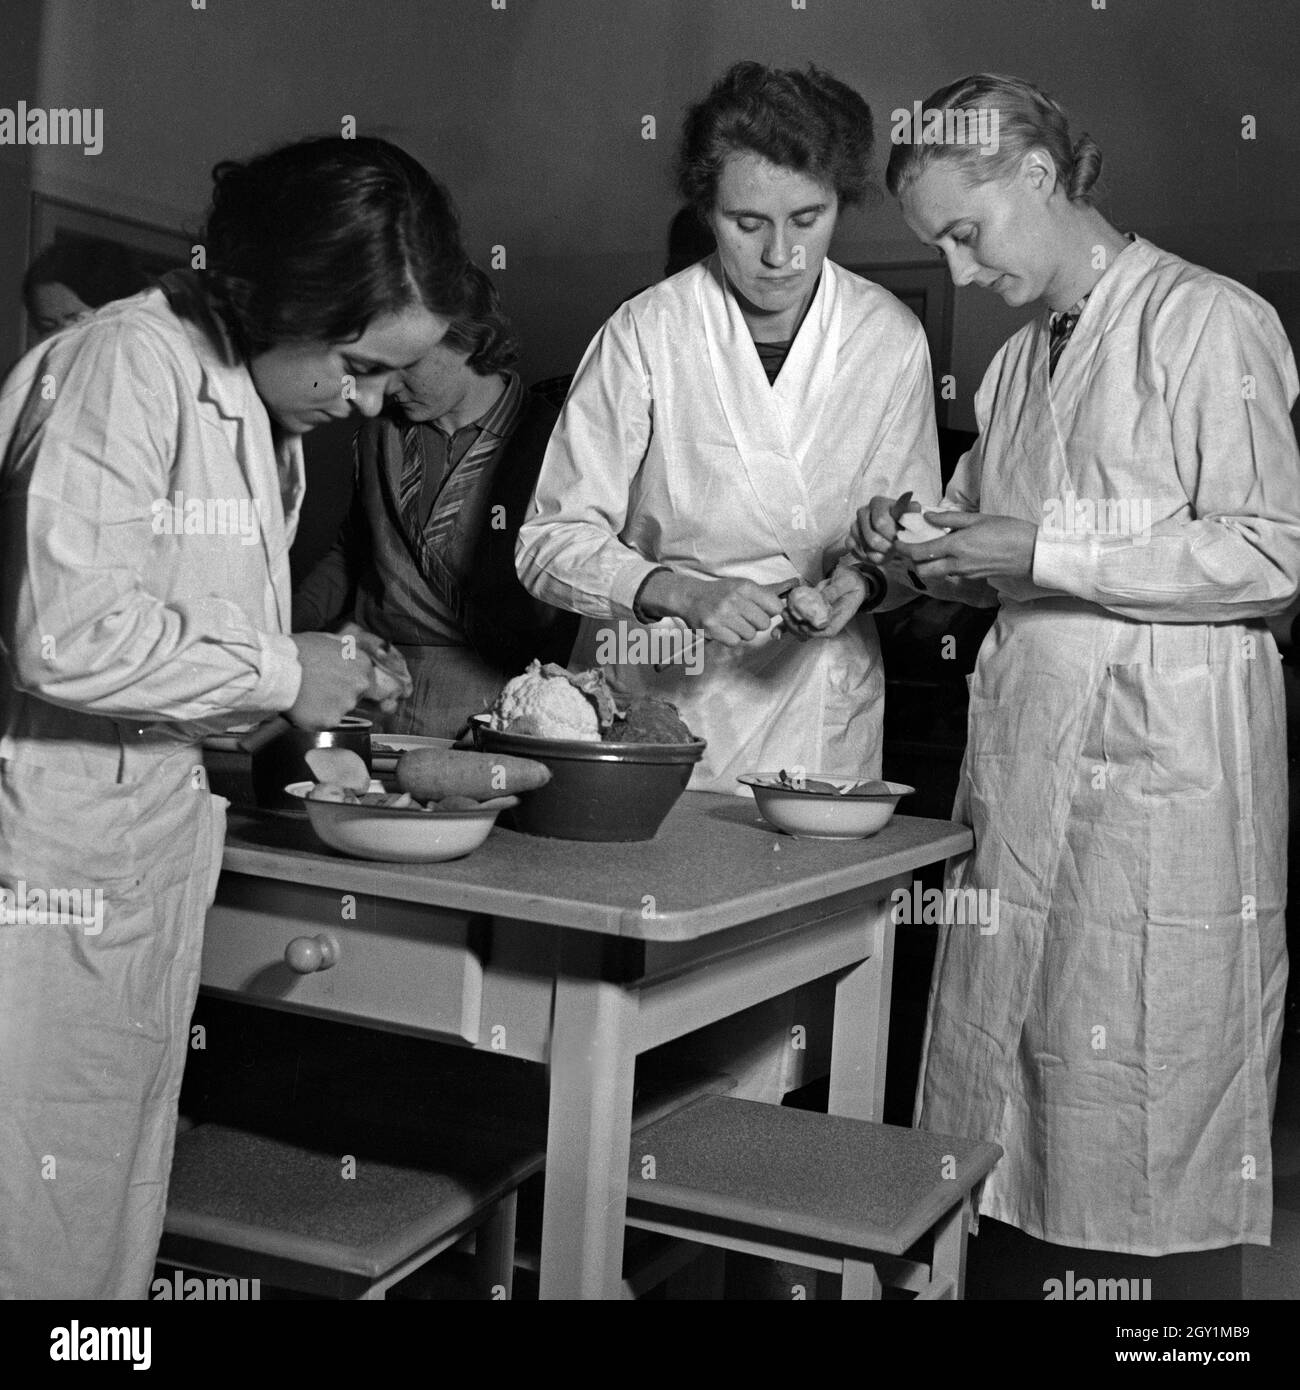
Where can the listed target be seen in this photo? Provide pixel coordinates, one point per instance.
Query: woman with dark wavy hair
(1133, 504)
(150, 481)
(720, 434)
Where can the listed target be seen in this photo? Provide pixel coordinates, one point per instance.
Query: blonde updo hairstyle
(1027, 119)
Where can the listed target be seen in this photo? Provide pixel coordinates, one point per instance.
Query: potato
(914, 529)
(436, 773)
(338, 767)
(386, 685)
(808, 605)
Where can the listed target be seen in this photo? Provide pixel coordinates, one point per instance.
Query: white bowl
(398, 835)
(817, 815)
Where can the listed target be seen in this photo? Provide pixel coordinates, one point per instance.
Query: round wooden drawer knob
(307, 954)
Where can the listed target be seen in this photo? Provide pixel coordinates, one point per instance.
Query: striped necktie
(430, 544)
(461, 477)
(1062, 326)
(457, 486)
(411, 478)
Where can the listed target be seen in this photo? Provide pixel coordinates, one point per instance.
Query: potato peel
(339, 767)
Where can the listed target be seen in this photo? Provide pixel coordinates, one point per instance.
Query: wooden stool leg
(494, 1251)
(860, 1281)
(950, 1247)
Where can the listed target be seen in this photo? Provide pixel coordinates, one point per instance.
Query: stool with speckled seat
(315, 1219)
(340, 1206)
(822, 1191)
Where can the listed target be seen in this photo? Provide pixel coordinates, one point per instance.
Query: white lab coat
(1125, 775)
(673, 449)
(123, 645)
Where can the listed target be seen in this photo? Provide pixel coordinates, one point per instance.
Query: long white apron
(674, 449)
(1125, 777)
(126, 636)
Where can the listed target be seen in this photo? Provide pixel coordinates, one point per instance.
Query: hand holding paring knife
(693, 640)
(807, 612)
(897, 512)
(390, 681)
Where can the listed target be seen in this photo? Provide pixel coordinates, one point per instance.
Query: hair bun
(1086, 168)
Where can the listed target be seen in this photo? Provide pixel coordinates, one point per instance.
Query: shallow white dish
(817, 815)
(399, 836)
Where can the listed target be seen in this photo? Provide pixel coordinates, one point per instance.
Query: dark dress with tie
(442, 586)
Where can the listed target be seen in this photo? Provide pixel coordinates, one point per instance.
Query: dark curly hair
(806, 121)
(312, 241)
(482, 330)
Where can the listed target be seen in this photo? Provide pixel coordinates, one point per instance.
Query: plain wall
(533, 115)
(20, 29)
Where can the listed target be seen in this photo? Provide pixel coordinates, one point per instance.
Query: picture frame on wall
(926, 288)
(129, 252)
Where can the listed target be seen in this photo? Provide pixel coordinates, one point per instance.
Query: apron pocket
(59, 831)
(1160, 734)
(1168, 751)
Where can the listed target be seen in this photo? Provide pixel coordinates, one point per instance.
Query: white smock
(125, 639)
(674, 449)
(1126, 774)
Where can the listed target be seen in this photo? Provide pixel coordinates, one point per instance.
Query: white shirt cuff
(278, 685)
(1065, 564)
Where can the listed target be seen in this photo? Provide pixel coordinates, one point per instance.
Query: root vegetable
(437, 773)
(808, 606)
(914, 529)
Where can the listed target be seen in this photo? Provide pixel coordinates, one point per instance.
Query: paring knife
(688, 651)
(897, 512)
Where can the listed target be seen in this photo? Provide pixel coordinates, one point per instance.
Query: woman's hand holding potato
(390, 680)
(730, 611)
(330, 685)
(824, 610)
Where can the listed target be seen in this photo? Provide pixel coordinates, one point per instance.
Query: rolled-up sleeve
(569, 553)
(91, 438)
(1235, 449)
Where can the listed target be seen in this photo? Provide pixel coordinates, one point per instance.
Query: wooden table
(581, 956)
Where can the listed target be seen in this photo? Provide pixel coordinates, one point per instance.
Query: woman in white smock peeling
(151, 472)
(721, 432)
(1134, 500)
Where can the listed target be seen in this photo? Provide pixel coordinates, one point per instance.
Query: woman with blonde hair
(1133, 504)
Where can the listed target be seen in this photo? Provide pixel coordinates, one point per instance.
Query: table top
(714, 864)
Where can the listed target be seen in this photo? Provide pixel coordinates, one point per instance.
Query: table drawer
(398, 964)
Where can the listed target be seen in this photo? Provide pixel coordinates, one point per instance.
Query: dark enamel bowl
(597, 791)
